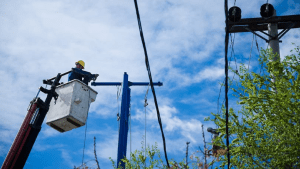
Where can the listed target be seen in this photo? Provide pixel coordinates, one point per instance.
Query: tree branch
(95, 153)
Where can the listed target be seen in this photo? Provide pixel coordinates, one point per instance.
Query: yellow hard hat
(81, 62)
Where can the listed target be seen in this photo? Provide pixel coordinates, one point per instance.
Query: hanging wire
(232, 38)
(151, 81)
(218, 110)
(119, 89)
(86, 127)
(232, 52)
(145, 105)
(251, 51)
(257, 47)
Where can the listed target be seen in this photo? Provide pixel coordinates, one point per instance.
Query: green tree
(153, 159)
(265, 132)
(138, 159)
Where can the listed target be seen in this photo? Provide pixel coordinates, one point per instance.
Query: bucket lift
(70, 109)
(31, 126)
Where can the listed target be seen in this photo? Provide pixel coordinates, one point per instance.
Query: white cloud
(50, 132)
(185, 41)
(171, 122)
(44, 147)
(67, 157)
(212, 73)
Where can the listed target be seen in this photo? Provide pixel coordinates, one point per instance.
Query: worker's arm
(87, 75)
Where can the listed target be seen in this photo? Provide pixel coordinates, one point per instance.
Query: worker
(78, 73)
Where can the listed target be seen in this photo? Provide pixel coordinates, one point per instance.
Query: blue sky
(185, 42)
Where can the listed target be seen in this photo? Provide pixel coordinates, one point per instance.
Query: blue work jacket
(73, 75)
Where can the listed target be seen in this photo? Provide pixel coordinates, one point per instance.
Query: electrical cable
(150, 78)
(219, 97)
(118, 115)
(86, 126)
(145, 105)
(226, 81)
(232, 54)
(257, 47)
(232, 51)
(256, 44)
(251, 51)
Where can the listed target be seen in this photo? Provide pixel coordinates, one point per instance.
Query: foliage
(265, 133)
(153, 159)
(138, 159)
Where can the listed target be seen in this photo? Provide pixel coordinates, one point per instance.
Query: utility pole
(269, 22)
(274, 42)
(125, 105)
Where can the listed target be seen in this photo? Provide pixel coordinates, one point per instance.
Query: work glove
(96, 75)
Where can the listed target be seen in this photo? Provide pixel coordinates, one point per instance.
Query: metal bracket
(248, 29)
(283, 32)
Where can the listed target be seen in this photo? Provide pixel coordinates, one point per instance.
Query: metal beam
(257, 34)
(129, 83)
(144, 84)
(261, 27)
(273, 19)
(106, 83)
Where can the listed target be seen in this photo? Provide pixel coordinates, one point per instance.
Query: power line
(232, 51)
(86, 128)
(226, 81)
(150, 78)
(219, 96)
(145, 105)
(251, 51)
(232, 54)
(257, 47)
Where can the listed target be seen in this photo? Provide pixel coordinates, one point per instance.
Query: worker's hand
(96, 75)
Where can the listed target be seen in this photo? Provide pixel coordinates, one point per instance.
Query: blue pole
(125, 105)
(123, 131)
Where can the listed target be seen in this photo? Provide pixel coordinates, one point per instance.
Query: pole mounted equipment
(213, 131)
(267, 10)
(235, 14)
(269, 22)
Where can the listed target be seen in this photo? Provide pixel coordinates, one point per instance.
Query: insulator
(235, 14)
(267, 10)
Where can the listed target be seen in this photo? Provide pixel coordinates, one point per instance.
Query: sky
(185, 44)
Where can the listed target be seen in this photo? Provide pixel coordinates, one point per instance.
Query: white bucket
(72, 106)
